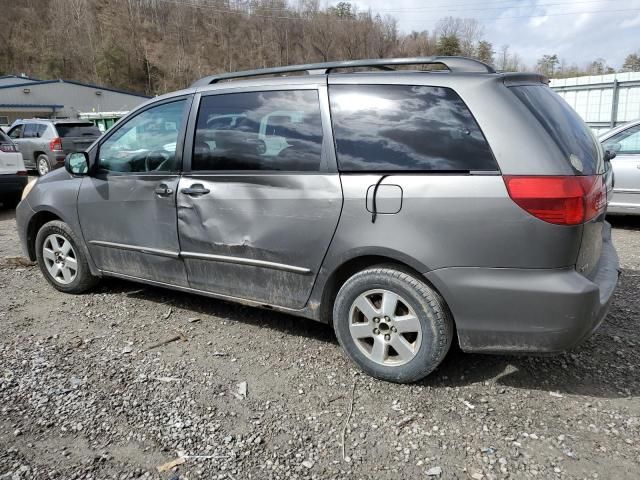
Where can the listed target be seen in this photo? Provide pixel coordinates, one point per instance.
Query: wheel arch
(341, 271)
(35, 224)
(37, 153)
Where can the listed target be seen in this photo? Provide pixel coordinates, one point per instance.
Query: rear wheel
(42, 164)
(61, 259)
(392, 324)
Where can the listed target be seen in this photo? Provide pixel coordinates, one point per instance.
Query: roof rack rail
(453, 64)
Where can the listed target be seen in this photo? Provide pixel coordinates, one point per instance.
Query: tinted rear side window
(400, 128)
(77, 130)
(30, 130)
(564, 126)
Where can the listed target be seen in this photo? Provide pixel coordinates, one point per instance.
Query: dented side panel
(268, 232)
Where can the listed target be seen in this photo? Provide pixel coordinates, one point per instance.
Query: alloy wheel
(384, 327)
(60, 259)
(43, 166)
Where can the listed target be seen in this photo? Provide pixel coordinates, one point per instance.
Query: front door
(127, 208)
(626, 168)
(260, 204)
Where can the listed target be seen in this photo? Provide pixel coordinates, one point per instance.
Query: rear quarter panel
(450, 220)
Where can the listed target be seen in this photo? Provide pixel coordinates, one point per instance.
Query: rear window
(406, 128)
(4, 138)
(77, 130)
(574, 138)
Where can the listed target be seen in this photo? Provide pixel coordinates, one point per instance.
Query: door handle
(195, 190)
(163, 190)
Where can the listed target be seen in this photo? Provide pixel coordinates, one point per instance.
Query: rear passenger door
(259, 204)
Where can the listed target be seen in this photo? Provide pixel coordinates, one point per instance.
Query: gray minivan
(405, 208)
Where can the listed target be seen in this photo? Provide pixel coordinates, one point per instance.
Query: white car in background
(624, 141)
(13, 175)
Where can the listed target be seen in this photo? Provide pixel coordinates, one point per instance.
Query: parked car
(624, 141)
(13, 175)
(45, 143)
(403, 208)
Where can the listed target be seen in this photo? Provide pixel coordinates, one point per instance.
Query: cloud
(538, 21)
(631, 22)
(577, 31)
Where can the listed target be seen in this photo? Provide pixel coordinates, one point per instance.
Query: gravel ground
(87, 392)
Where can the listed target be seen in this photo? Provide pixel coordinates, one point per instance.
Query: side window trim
(120, 123)
(328, 162)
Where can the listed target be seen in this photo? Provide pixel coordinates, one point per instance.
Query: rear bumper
(502, 310)
(12, 185)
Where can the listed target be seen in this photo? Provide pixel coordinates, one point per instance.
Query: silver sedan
(625, 142)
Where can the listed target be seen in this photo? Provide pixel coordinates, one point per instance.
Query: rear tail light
(22, 173)
(56, 145)
(8, 148)
(566, 200)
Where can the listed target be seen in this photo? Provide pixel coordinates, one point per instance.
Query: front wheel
(392, 324)
(61, 259)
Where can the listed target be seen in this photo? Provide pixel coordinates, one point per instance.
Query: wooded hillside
(154, 46)
(158, 45)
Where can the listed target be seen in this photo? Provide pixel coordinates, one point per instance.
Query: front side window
(16, 132)
(626, 142)
(145, 143)
(406, 128)
(272, 130)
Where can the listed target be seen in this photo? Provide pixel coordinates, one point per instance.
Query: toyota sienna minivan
(406, 208)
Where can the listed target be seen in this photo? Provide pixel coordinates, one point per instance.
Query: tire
(43, 166)
(51, 235)
(419, 325)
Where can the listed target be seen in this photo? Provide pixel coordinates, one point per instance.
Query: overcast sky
(578, 31)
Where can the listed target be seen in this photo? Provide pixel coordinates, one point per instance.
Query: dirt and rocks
(127, 379)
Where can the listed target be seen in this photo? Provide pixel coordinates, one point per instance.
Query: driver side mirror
(611, 150)
(77, 163)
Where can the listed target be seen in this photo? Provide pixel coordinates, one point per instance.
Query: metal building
(603, 101)
(24, 97)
